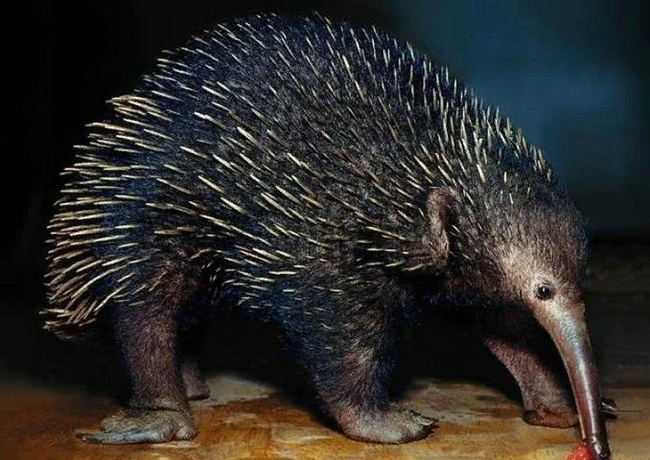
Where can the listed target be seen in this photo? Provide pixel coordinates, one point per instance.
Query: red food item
(580, 453)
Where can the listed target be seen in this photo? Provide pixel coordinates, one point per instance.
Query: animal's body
(333, 180)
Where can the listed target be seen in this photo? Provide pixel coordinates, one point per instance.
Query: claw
(126, 437)
(608, 407)
(426, 421)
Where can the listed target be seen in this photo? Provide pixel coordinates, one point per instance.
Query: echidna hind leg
(158, 408)
(196, 387)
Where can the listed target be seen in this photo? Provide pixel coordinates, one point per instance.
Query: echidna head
(493, 253)
(527, 256)
(540, 251)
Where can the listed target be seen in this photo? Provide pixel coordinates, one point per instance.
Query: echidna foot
(566, 417)
(395, 425)
(142, 426)
(545, 417)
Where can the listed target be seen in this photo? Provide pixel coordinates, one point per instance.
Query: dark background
(573, 74)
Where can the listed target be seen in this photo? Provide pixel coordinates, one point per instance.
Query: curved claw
(608, 408)
(126, 437)
(426, 421)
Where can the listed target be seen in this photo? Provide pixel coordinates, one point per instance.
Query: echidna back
(260, 147)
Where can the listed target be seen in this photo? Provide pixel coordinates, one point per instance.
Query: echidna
(333, 180)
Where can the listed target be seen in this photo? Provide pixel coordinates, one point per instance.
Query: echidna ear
(436, 237)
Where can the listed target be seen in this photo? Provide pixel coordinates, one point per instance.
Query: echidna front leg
(352, 381)
(346, 341)
(546, 401)
(387, 425)
(158, 409)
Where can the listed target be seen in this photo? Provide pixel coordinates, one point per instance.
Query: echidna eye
(544, 292)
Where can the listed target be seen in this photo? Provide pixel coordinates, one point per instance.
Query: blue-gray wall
(572, 73)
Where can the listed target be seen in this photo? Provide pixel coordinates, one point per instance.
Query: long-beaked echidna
(332, 179)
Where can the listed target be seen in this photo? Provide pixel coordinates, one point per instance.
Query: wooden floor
(475, 422)
(258, 410)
